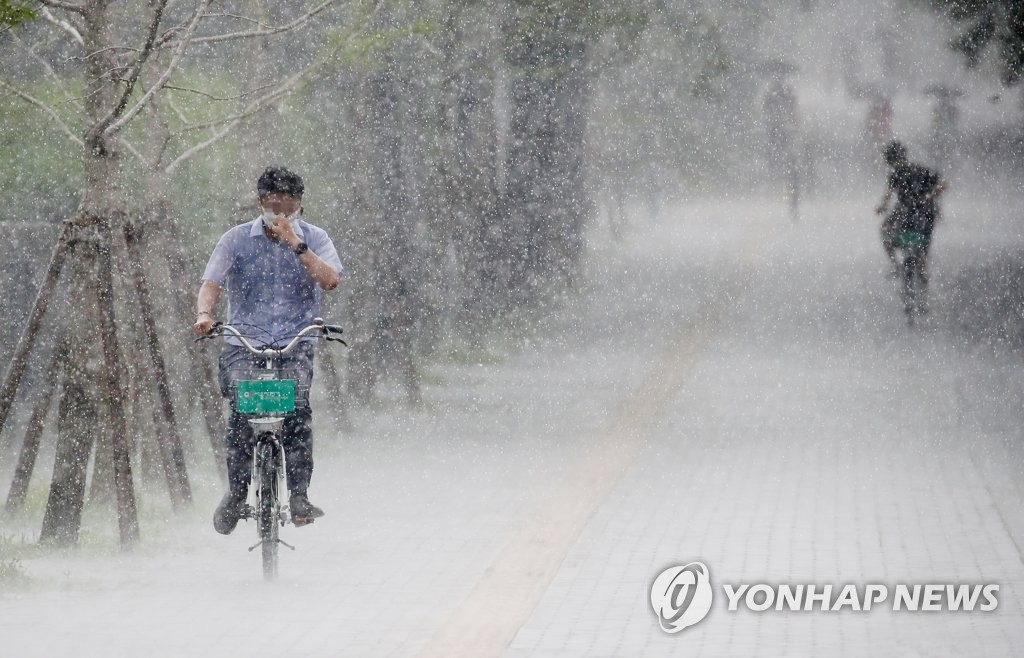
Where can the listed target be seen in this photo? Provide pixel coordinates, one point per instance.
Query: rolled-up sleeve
(322, 245)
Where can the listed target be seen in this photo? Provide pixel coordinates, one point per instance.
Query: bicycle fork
(267, 471)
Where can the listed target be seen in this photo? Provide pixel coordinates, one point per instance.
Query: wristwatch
(301, 248)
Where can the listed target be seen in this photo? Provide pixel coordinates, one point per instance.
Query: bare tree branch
(244, 19)
(251, 109)
(136, 70)
(177, 111)
(76, 99)
(218, 98)
(52, 74)
(202, 146)
(118, 123)
(229, 123)
(66, 6)
(109, 49)
(75, 33)
(49, 111)
(255, 106)
(281, 90)
(268, 30)
(128, 146)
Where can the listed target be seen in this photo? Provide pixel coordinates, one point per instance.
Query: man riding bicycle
(916, 188)
(274, 268)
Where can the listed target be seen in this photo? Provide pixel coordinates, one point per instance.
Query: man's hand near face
(282, 231)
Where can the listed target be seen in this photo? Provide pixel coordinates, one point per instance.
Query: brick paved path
(729, 388)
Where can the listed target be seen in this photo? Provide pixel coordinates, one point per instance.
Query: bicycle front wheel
(269, 513)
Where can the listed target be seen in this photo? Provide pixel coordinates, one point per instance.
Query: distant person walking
(781, 128)
(916, 189)
(780, 120)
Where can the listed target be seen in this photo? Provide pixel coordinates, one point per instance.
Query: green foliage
(40, 167)
(548, 33)
(973, 42)
(12, 552)
(371, 48)
(988, 26)
(11, 574)
(650, 121)
(13, 13)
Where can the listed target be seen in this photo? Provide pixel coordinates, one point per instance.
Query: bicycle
(265, 400)
(911, 245)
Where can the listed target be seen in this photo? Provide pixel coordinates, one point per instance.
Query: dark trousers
(296, 439)
(297, 436)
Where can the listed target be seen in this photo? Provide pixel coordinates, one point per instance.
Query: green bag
(910, 239)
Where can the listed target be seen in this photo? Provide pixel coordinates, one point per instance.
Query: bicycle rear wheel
(269, 512)
(915, 289)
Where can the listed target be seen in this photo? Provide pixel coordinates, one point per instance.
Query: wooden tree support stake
(34, 432)
(209, 394)
(171, 452)
(127, 514)
(28, 338)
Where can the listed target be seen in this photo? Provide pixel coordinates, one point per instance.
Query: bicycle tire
(269, 509)
(914, 288)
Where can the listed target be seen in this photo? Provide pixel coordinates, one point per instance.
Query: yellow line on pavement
(486, 621)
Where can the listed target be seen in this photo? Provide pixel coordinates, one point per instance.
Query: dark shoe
(228, 512)
(302, 510)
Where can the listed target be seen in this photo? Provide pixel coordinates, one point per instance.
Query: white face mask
(269, 215)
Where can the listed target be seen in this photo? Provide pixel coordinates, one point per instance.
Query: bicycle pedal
(300, 521)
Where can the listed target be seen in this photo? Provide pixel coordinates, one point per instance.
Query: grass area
(13, 552)
(12, 575)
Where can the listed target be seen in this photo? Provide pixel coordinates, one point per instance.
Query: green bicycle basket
(265, 396)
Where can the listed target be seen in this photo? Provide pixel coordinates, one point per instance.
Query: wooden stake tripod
(89, 242)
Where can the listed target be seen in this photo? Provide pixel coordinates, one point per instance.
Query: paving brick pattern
(721, 392)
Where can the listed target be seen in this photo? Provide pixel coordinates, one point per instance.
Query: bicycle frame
(266, 400)
(912, 277)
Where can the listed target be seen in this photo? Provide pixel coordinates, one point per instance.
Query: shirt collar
(256, 228)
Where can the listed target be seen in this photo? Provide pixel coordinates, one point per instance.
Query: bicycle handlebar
(325, 330)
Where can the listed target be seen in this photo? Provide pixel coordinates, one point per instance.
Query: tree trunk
(545, 197)
(91, 316)
(469, 168)
(387, 303)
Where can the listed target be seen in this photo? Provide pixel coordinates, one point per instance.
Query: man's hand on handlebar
(203, 324)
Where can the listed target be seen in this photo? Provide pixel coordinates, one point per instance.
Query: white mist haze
(721, 380)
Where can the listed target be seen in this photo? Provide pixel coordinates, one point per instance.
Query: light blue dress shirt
(270, 294)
